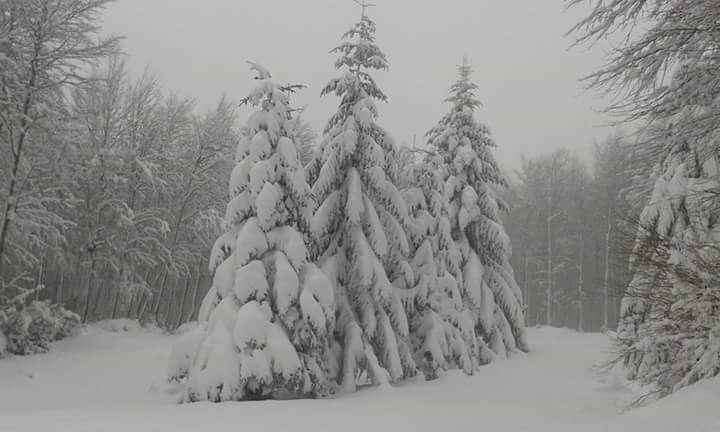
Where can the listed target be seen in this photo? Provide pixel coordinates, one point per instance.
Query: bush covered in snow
(31, 329)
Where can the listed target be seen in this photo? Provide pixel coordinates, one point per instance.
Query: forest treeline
(112, 185)
(572, 226)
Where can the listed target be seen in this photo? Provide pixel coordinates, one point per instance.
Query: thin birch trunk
(606, 278)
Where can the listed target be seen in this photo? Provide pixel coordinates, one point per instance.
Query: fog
(527, 72)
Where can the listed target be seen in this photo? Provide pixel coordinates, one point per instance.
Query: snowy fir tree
(669, 329)
(651, 250)
(360, 223)
(471, 175)
(442, 328)
(267, 320)
(668, 77)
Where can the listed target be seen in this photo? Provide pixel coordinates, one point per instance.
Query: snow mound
(120, 325)
(691, 409)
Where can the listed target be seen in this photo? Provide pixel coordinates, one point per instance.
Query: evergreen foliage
(471, 177)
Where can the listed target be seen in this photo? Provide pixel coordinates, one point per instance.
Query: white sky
(526, 71)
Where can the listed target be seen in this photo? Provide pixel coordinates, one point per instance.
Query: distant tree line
(572, 228)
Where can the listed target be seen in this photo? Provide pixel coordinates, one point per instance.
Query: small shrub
(66, 322)
(31, 330)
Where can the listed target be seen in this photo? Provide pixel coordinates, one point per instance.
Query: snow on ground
(105, 380)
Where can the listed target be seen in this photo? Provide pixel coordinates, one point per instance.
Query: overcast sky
(526, 71)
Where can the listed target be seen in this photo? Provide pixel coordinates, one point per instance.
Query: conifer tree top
(462, 92)
(462, 140)
(359, 50)
(358, 53)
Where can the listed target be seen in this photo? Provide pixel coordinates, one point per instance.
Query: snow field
(99, 381)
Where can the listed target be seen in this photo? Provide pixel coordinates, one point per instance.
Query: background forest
(572, 229)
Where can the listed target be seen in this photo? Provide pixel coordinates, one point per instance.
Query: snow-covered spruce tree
(669, 330)
(361, 220)
(441, 327)
(471, 172)
(267, 320)
(651, 279)
(668, 77)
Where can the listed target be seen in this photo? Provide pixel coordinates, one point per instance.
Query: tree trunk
(526, 293)
(96, 309)
(143, 306)
(88, 292)
(548, 276)
(581, 300)
(40, 276)
(132, 305)
(61, 287)
(116, 302)
(606, 278)
(145, 299)
(196, 286)
(136, 299)
(25, 125)
(181, 312)
(9, 208)
(156, 308)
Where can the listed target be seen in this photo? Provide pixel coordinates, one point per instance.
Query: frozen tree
(442, 328)
(665, 334)
(667, 77)
(668, 70)
(45, 45)
(360, 223)
(267, 320)
(488, 283)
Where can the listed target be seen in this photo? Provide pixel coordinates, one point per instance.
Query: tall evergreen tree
(472, 174)
(361, 220)
(669, 330)
(667, 76)
(441, 327)
(268, 317)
